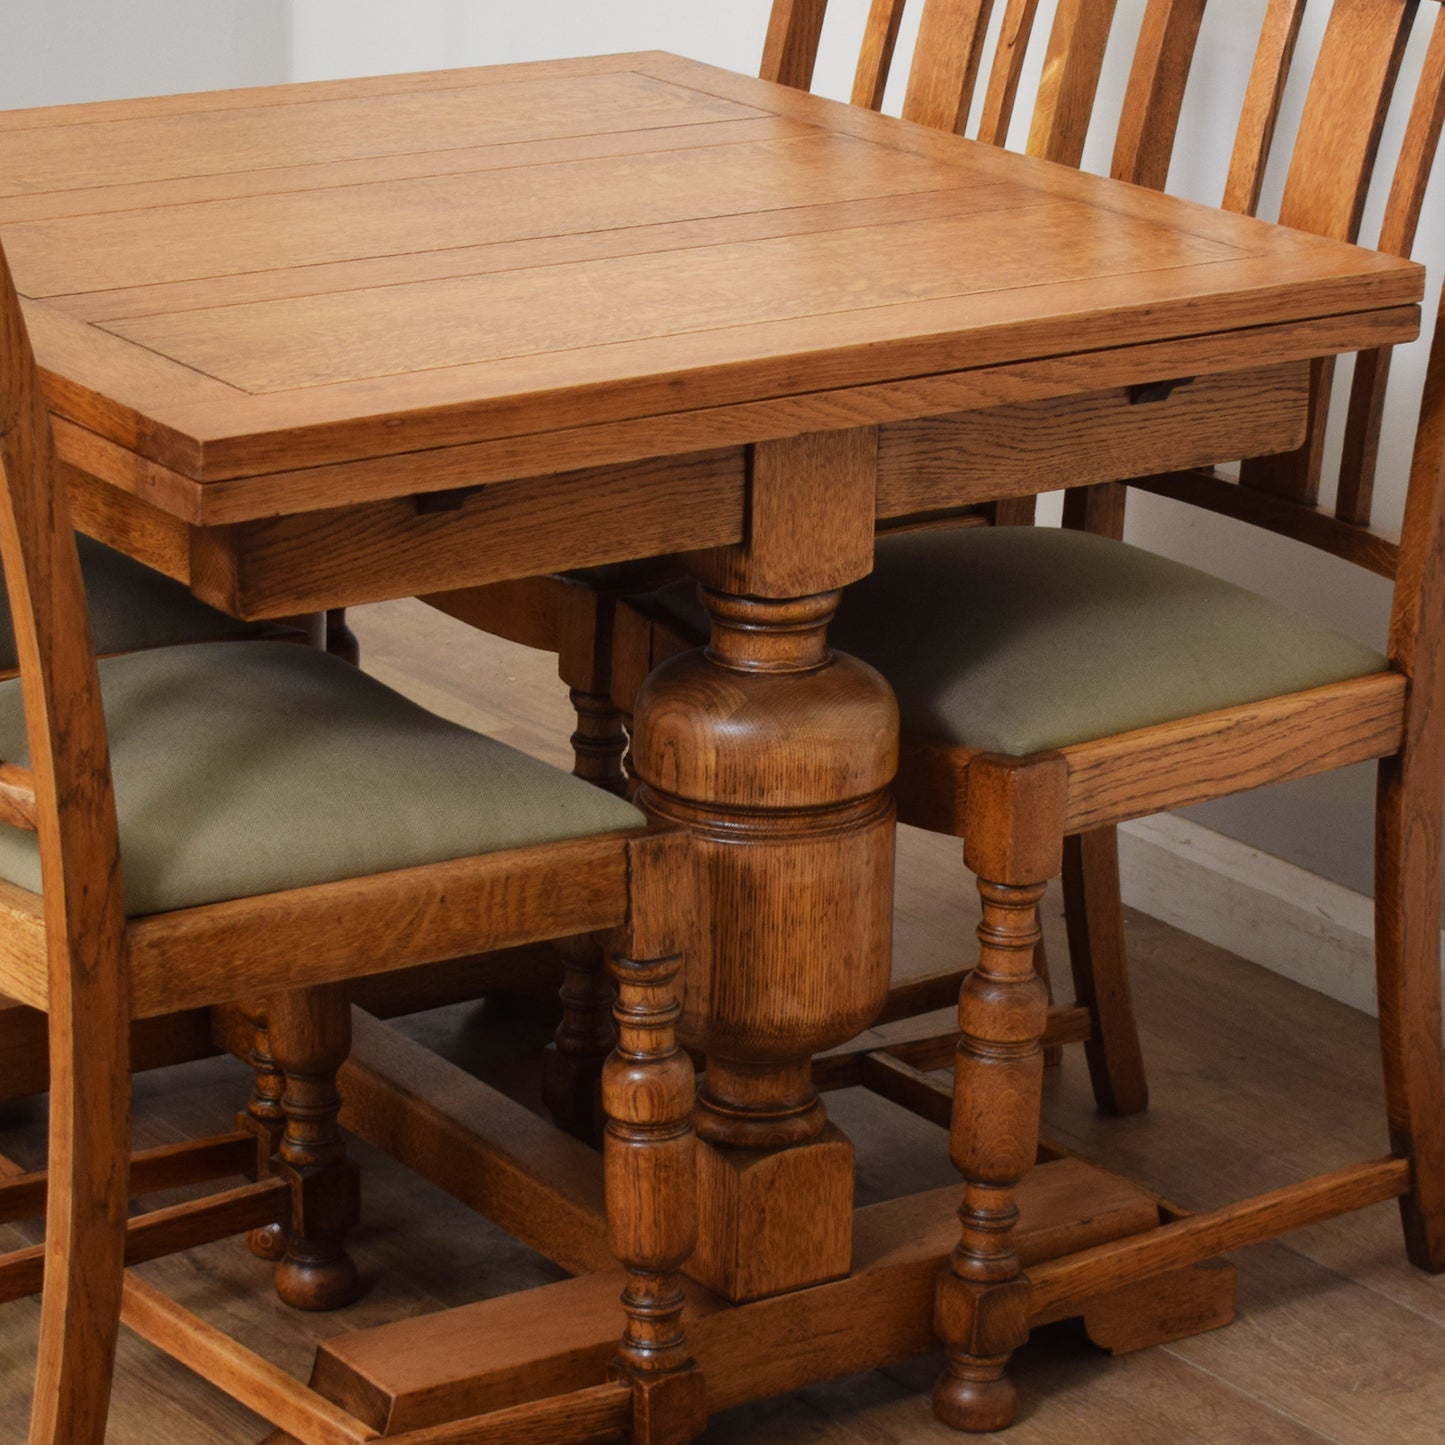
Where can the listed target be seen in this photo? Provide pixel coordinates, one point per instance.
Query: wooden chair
(196, 824)
(1043, 700)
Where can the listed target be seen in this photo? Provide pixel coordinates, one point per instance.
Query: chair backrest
(949, 54)
(1332, 170)
(1330, 174)
(66, 793)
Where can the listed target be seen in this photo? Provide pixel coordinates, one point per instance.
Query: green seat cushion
(132, 606)
(245, 768)
(1016, 640)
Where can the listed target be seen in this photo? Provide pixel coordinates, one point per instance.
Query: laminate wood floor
(1254, 1081)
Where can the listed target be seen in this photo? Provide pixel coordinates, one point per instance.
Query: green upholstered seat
(132, 606)
(1016, 640)
(244, 768)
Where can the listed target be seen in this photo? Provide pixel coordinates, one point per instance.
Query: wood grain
(413, 1373)
(252, 287)
(499, 1159)
(270, 1392)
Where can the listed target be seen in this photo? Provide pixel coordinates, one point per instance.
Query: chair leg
(86, 1213)
(310, 1035)
(600, 741)
(650, 1152)
(572, 1063)
(264, 1115)
(341, 641)
(1407, 972)
(1013, 846)
(1094, 916)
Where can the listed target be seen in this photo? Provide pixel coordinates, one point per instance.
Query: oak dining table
(315, 346)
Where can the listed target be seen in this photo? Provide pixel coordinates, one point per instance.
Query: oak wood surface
(413, 1372)
(492, 1154)
(241, 385)
(211, 1354)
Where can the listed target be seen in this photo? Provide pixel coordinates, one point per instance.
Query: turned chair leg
(1013, 845)
(650, 1153)
(600, 741)
(1407, 973)
(310, 1037)
(263, 1115)
(1094, 917)
(573, 1061)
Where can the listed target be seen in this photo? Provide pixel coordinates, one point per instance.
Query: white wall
(53, 52)
(365, 37)
(83, 49)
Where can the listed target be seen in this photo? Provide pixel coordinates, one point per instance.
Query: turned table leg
(776, 754)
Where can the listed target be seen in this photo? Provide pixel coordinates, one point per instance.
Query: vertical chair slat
(1012, 46)
(875, 55)
(791, 48)
(1417, 151)
(1339, 134)
(1360, 452)
(1070, 80)
(1328, 180)
(1155, 93)
(1262, 97)
(945, 62)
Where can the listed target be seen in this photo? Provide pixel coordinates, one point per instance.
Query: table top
(232, 293)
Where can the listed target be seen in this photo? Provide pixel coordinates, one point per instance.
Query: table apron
(400, 547)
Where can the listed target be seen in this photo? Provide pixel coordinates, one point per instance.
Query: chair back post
(69, 759)
(83, 911)
(1417, 614)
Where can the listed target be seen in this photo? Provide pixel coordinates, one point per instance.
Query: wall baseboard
(1273, 913)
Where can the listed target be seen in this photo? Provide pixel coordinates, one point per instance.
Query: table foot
(1168, 1307)
(976, 1396)
(486, 1356)
(669, 1409)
